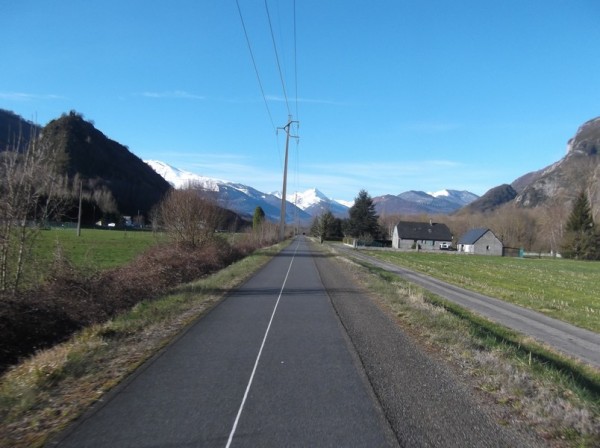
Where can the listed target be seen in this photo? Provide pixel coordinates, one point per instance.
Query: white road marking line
(237, 418)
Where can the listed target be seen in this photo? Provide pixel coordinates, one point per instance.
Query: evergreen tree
(258, 218)
(323, 226)
(581, 240)
(362, 217)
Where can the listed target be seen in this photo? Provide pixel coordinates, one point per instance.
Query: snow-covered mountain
(181, 179)
(239, 198)
(315, 203)
(459, 197)
(302, 207)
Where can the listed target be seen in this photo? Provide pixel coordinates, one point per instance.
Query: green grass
(95, 248)
(44, 393)
(568, 290)
(537, 389)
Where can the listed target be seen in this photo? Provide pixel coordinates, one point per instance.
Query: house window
(487, 248)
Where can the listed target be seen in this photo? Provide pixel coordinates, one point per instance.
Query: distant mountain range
(304, 206)
(239, 198)
(108, 166)
(419, 202)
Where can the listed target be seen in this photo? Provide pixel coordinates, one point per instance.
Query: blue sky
(390, 95)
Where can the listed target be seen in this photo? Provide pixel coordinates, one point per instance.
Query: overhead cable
(254, 64)
(277, 59)
(296, 63)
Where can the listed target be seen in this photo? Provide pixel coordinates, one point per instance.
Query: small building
(420, 235)
(480, 241)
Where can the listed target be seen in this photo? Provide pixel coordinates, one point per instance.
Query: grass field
(95, 248)
(565, 289)
(45, 392)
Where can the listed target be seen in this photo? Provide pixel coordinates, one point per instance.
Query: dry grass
(42, 395)
(522, 390)
(69, 299)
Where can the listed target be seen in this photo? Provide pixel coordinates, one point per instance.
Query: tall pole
(286, 128)
(79, 212)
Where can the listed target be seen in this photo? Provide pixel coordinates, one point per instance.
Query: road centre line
(237, 418)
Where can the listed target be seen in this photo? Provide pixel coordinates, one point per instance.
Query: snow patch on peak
(440, 193)
(348, 204)
(182, 179)
(307, 198)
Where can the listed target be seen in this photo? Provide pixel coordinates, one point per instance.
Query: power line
(254, 64)
(296, 62)
(277, 58)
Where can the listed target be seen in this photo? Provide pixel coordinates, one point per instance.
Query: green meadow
(564, 289)
(94, 248)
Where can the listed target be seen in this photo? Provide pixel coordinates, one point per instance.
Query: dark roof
(423, 231)
(473, 235)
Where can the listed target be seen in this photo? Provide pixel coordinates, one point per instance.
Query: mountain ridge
(558, 183)
(313, 202)
(238, 197)
(416, 202)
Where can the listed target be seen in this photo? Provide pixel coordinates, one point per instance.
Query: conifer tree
(581, 240)
(363, 218)
(258, 217)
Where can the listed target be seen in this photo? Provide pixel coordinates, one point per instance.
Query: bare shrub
(31, 191)
(70, 299)
(189, 216)
(264, 234)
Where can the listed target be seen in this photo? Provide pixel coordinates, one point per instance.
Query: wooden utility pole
(286, 128)
(79, 213)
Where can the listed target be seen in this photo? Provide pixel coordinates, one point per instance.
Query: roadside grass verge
(43, 394)
(526, 385)
(568, 290)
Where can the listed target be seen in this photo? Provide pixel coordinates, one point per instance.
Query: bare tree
(31, 191)
(516, 227)
(552, 220)
(388, 222)
(189, 216)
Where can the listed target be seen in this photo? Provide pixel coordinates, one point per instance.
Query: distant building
(481, 241)
(420, 235)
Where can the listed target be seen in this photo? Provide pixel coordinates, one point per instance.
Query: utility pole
(79, 212)
(286, 128)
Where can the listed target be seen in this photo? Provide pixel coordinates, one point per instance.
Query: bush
(70, 300)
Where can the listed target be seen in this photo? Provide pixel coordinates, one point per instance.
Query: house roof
(409, 230)
(473, 235)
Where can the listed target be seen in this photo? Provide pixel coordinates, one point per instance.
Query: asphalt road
(308, 388)
(297, 356)
(563, 337)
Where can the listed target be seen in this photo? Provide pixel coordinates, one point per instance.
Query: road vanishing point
(297, 356)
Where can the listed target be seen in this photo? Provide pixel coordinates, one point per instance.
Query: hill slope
(12, 126)
(493, 199)
(106, 163)
(578, 170)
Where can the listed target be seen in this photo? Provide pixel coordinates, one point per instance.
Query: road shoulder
(425, 403)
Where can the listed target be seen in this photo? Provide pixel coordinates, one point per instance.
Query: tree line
(362, 222)
(549, 229)
(34, 189)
